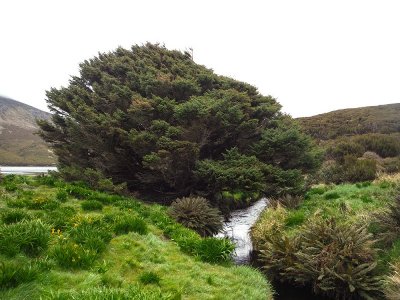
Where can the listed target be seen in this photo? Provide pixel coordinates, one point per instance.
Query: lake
(26, 170)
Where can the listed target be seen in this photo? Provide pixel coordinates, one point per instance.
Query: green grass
(127, 250)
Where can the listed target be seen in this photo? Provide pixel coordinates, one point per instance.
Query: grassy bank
(333, 240)
(62, 241)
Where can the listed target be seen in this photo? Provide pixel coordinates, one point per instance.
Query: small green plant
(129, 223)
(60, 218)
(89, 205)
(295, 218)
(149, 278)
(77, 191)
(215, 250)
(94, 236)
(196, 213)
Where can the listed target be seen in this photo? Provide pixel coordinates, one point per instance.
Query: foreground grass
(92, 245)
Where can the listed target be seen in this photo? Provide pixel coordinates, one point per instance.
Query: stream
(237, 228)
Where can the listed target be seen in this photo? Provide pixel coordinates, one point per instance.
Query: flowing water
(26, 170)
(237, 228)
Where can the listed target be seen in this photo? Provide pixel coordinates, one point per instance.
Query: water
(237, 228)
(26, 170)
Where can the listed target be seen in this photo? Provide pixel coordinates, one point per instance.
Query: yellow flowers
(53, 231)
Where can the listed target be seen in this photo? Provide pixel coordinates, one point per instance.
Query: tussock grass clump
(197, 214)
(16, 272)
(30, 237)
(128, 223)
(392, 287)
(215, 250)
(331, 195)
(89, 205)
(287, 200)
(389, 222)
(62, 195)
(70, 255)
(10, 216)
(94, 236)
(149, 278)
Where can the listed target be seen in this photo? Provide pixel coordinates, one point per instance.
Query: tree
(154, 119)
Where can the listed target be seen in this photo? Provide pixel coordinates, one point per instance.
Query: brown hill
(353, 121)
(19, 145)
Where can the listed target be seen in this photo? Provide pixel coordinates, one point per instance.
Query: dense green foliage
(127, 250)
(340, 240)
(156, 121)
(197, 214)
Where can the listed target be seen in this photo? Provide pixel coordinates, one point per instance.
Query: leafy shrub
(13, 273)
(196, 213)
(129, 223)
(215, 250)
(149, 278)
(9, 216)
(30, 237)
(91, 205)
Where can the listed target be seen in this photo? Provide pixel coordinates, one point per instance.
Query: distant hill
(19, 145)
(353, 121)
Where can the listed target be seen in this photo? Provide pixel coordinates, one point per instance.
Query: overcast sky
(313, 56)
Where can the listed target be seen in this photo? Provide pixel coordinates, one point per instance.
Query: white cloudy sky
(313, 56)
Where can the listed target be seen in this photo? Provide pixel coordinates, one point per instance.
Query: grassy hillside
(19, 145)
(353, 121)
(62, 241)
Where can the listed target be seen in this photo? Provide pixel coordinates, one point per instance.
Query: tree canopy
(157, 121)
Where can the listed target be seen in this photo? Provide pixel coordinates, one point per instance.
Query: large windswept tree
(154, 119)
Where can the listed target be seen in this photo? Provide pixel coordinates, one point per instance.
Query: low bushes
(196, 213)
(128, 223)
(91, 205)
(337, 259)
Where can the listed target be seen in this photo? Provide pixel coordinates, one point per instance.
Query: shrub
(215, 250)
(149, 278)
(13, 273)
(196, 213)
(91, 205)
(128, 223)
(30, 237)
(9, 216)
